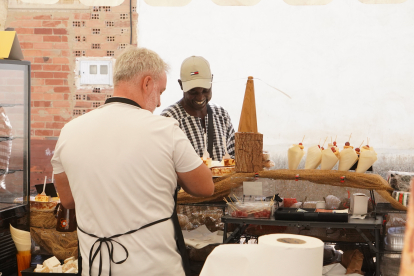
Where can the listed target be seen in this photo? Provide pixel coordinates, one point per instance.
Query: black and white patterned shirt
(194, 130)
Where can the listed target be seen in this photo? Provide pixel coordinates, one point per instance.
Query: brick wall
(52, 40)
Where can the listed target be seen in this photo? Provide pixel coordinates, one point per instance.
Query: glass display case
(14, 133)
(14, 157)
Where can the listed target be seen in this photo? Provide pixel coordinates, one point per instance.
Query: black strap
(79, 261)
(110, 246)
(180, 239)
(122, 100)
(210, 131)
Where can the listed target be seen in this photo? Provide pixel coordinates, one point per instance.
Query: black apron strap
(109, 244)
(79, 261)
(210, 131)
(180, 239)
(122, 100)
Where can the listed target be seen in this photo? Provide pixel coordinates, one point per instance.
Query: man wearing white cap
(197, 115)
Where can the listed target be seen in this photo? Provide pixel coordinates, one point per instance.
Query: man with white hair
(118, 166)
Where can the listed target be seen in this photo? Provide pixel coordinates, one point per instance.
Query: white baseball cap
(195, 72)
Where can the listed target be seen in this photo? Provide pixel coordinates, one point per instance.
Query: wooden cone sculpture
(249, 143)
(248, 119)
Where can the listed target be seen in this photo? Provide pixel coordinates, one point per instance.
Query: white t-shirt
(121, 162)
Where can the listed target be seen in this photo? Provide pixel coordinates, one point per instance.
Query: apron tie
(108, 242)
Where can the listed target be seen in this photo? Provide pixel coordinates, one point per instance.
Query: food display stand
(357, 224)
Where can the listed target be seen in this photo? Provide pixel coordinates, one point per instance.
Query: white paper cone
(366, 159)
(21, 241)
(19, 233)
(295, 154)
(313, 157)
(22, 247)
(347, 159)
(329, 159)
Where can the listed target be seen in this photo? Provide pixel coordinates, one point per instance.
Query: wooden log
(249, 152)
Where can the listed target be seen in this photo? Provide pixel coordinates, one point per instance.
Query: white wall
(349, 67)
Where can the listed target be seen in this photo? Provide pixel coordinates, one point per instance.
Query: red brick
(65, 53)
(32, 53)
(37, 125)
(55, 125)
(36, 96)
(83, 104)
(32, 74)
(43, 46)
(61, 89)
(66, 96)
(56, 133)
(43, 132)
(25, 23)
(32, 38)
(50, 38)
(36, 67)
(64, 38)
(96, 97)
(61, 119)
(96, 24)
(60, 75)
(20, 31)
(60, 31)
(45, 75)
(61, 46)
(52, 67)
(42, 103)
(42, 89)
(43, 118)
(61, 17)
(50, 53)
(51, 23)
(85, 16)
(37, 81)
(65, 68)
(60, 60)
(53, 82)
(43, 17)
(26, 45)
(54, 97)
(43, 60)
(43, 31)
(65, 23)
(121, 24)
(38, 110)
(61, 104)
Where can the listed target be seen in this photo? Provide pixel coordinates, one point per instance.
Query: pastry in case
(222, 171)
(229, 162)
